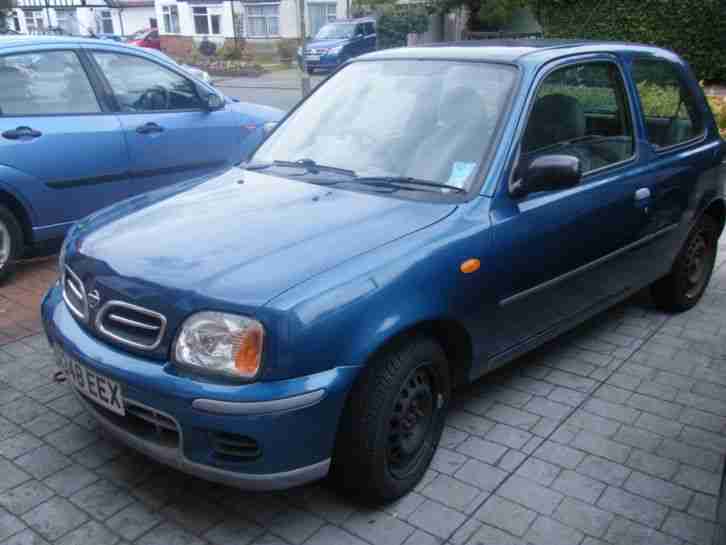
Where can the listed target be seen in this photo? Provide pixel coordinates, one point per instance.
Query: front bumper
(292, 421)
(326, 62)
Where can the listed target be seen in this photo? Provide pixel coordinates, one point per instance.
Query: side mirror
(548, 173)
(213, 101)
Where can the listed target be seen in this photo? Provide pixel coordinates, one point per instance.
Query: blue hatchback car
(337, 42)
(424, 217)
(86, 123)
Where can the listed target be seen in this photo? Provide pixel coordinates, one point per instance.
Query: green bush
(230, 51)
(693, 28)
(397, 22)
(718, 107)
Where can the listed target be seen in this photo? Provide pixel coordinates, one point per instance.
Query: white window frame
(265, 18)
(32, 18)
(210, 13)
(105, 16)
(170, 10)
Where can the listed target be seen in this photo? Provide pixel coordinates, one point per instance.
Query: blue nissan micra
(424, 217)
(86, 123)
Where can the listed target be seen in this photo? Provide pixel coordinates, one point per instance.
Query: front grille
(142, 422)
(131, 325)
(74, 294)
(316, 51)
(233, 447)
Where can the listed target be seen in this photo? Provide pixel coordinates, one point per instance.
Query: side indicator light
(470, 266)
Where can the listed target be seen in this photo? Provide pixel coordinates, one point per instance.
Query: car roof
(359, 20)
(521, 51)
(13, 40)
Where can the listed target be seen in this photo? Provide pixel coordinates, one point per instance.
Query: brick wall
(177, 46)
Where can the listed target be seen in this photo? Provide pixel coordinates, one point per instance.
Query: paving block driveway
(612, 434)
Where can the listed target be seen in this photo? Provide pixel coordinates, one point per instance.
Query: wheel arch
(717, 210)
(20, 213)
(449, 333)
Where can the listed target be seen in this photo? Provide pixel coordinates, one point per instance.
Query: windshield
(335, 31)
(429, 120)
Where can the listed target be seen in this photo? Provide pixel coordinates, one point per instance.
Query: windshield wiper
(308, 164)
(405, 182)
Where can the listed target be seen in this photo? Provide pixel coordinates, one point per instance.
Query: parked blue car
(424, 217)
(337, 42)
(86, 123)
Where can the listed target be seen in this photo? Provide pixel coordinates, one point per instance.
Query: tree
(483, 14)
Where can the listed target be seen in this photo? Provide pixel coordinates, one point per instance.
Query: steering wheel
(149, 99)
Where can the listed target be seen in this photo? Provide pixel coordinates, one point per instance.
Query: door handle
(642, 194)
(148, 128)
(21, 133)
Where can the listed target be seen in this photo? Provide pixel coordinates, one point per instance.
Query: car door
(60, 146)
(674, 124)
(562, 254)
(170, 134)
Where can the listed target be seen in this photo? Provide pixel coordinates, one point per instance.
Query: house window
(319, 15)
(263, 21)
(34, 21)
(206, 22)
(171, 19)
(66, 21)
(105, 22)
(16, 22)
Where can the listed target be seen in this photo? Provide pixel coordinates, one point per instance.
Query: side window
(671, 114)
(140, 85)
(45, 83)
(581, 110)
(370, 29)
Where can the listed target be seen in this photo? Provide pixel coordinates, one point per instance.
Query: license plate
(312, 58)
(102, 390)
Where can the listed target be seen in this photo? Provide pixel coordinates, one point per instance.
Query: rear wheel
(11, 242)
(683, 287)
(393, 421)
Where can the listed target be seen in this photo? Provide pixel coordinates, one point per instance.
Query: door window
(45, 83)
(581, 110)
(140, 85)
(369, 29)
(671, 114)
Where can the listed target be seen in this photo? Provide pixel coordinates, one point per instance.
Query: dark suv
(337, 42)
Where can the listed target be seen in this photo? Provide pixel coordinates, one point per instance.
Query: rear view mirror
(548, 173)
(213, 102)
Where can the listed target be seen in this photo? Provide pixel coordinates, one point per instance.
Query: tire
(392, 422)
(11, 242)
(684, 285)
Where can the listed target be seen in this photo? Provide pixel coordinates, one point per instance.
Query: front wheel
(683, 287)
(11, 242)
(393, 421)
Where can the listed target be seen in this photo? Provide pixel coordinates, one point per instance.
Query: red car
(148, 37)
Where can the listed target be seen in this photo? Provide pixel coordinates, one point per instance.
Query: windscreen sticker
(460, 172)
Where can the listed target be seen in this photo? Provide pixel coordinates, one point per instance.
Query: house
(82, 17)
(262, 23)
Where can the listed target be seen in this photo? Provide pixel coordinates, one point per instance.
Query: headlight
(221, 343)
(299, 51)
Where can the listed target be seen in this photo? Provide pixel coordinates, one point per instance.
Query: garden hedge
(696, 29)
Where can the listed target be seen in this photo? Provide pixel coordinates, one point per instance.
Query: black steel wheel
(392, 421)
(683, 287)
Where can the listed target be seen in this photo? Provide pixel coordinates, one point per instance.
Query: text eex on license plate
(100, 389)
(312, 58)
